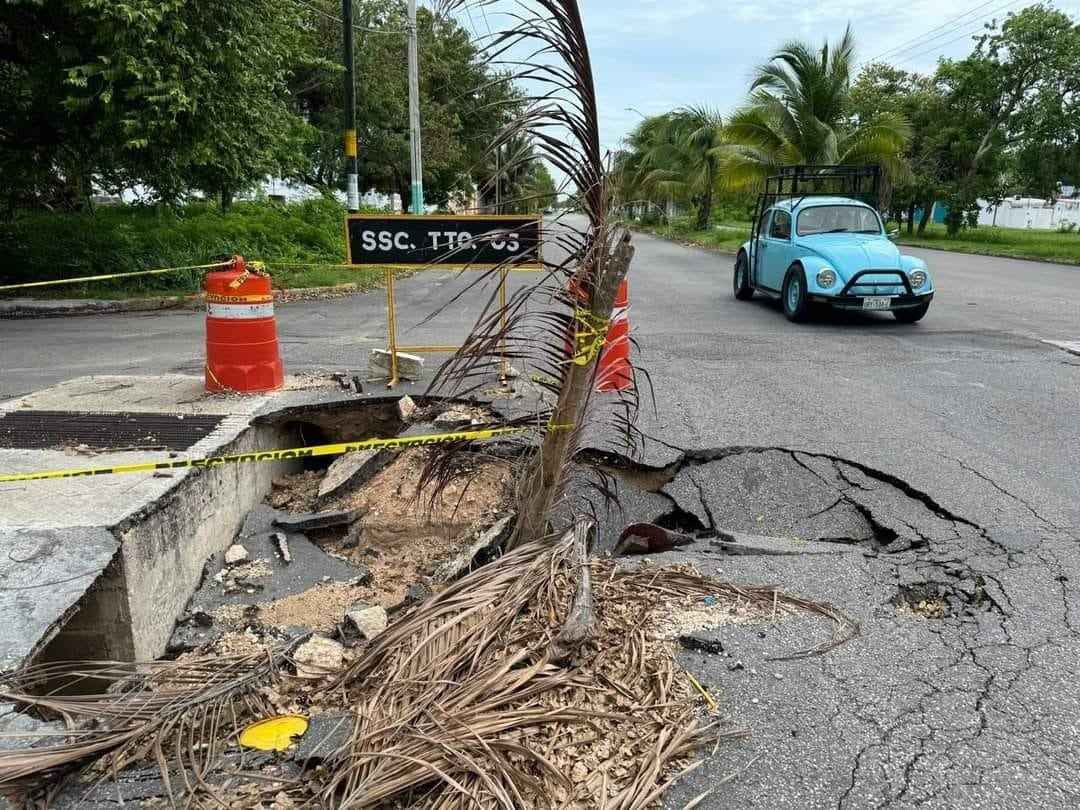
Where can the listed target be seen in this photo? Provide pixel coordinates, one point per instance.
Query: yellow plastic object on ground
(274, 733)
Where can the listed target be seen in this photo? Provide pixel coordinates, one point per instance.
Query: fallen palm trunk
(458, 704)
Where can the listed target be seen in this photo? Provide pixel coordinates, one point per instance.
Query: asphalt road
(931, 462)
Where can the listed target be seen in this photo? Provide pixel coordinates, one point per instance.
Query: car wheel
(741, 279)
(911, 314)
(796, 301)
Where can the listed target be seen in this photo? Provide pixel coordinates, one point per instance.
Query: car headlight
(918, 279)
(826, 278)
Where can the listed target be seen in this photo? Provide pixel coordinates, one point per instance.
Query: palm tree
(798, 114)
(679, 156)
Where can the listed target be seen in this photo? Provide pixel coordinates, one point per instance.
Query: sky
(655, 55)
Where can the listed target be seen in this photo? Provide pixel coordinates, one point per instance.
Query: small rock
(202, 618)
(761, 634)
(318, 657)
(704, 641)
(235, 554)
(406, 408)
(734, 665)
(778, 675)
(367, 620)
(755, 701)
(417, 593)
(753, 671)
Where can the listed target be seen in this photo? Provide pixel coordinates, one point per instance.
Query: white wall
(1030, 213)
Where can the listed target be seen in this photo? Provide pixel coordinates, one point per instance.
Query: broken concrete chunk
(453, 419)
(351, 470)
(326, 733)
(406, 408)
(483, 549)
(367, 620)
(409, 366)
(319, 520)
(235, 554)
(318, 657)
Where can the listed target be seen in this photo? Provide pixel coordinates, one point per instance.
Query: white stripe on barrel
(240, 311)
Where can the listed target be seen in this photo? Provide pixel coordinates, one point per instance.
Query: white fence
(1031, 213)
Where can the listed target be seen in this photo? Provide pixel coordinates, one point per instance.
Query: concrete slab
(44, 574)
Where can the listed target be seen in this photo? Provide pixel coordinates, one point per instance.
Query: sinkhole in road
(303, 523)
(768, 500)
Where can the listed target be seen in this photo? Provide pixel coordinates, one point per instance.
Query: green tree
(799, 113)
(1018, 90)
(883, 91)
(166, 93)
(461, 101)
(679, 157)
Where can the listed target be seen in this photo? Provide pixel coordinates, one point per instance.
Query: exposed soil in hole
(401, 538)
(936, 600)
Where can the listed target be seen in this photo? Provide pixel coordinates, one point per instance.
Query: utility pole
(417, 206)
(498, 179)
(352, 179)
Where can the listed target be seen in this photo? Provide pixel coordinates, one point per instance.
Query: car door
(774, 247)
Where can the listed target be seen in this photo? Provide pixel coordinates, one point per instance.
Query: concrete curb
(12, 308)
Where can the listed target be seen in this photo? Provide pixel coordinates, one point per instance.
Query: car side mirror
(895, 232)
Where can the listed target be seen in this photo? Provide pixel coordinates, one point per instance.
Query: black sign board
(476, 242)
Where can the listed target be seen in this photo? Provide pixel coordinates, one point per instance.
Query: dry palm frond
(459, 704)
(137, 710)
(543, 49)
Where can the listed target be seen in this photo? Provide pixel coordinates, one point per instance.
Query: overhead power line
(904, 50)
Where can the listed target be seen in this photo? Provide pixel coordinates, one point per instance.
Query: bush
(40, 246)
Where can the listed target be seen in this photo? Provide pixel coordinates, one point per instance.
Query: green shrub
(40, 246)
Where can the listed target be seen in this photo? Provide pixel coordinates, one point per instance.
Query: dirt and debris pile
(459, 703)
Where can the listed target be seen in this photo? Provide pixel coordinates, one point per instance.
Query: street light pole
(417, 206)
(352, 192)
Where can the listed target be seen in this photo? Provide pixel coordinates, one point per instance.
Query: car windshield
(838, 219)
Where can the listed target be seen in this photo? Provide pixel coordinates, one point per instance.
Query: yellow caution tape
(590, 332)
(396, 443)
(108, 276)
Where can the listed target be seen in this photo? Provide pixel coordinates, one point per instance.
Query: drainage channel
(258, 552)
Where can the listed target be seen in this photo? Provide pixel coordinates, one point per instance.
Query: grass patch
(300, 242)
(1016, 243)
(726, 236)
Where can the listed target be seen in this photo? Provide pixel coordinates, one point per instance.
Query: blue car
(833, 251)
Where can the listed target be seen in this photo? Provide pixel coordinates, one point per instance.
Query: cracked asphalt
(854, 460)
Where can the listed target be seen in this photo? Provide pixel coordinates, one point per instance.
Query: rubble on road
(406, 408)
(235, 554)
(350, 471)
(318, 657)
(319, 520)
(409, 366)
(367, 620)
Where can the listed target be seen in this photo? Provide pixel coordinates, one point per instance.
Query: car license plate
(877, 302)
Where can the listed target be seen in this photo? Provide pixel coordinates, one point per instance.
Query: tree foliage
(799, 113)
(462, 101)
(165, 93)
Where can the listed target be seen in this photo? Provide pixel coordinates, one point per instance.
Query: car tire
(911, 314)
(793, 295)
(741, 278)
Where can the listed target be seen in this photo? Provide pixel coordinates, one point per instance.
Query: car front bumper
(856, 301)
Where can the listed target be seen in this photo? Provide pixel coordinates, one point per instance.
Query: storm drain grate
(35, 430)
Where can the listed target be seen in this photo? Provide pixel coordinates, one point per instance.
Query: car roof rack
(858, 182)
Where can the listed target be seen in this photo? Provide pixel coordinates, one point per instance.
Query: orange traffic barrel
(615, 372)
(241, 332)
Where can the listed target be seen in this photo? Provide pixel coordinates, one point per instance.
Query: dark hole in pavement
(939, 600)
(679, 520)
